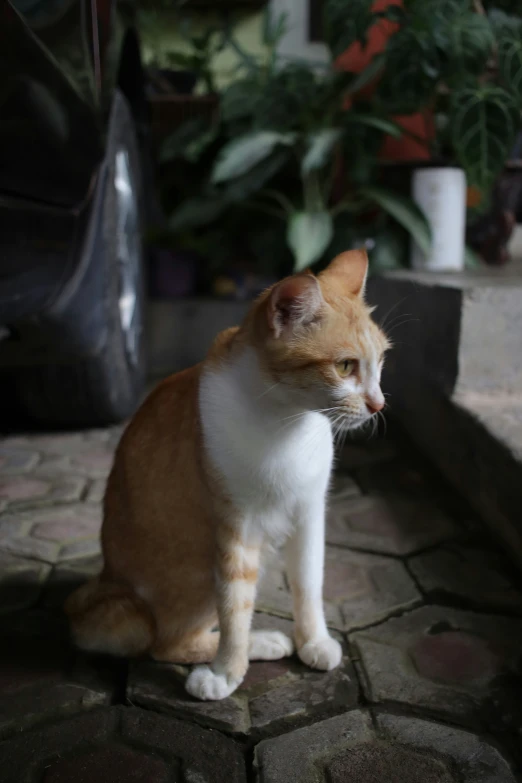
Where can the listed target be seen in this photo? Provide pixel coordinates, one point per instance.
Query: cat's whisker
(397, 324)
(267, 391)
(384, 322)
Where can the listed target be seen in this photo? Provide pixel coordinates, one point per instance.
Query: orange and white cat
(221, 460)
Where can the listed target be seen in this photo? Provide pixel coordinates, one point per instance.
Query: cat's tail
(110, 618)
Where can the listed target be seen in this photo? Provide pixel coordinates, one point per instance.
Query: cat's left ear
(350, 267)
(293, 303)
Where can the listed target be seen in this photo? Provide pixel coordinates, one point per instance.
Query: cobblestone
(94, 463)
(394, 542)
(477, 577)
(394, 525)
(396, 750)
(96, 491)
(40, 676)
(122, 745)
(359, 589)
(273, 696)
(443, 660)
(13, 461)
(23, 492)
(50, 534)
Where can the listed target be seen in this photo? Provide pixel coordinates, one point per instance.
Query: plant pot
(441, 195)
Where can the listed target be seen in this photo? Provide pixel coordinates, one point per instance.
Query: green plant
(449, 58)
(285, 130)
(202, 44)
(204, 47)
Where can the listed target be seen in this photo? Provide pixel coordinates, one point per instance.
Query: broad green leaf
(372, 70)
(344, 25)
(239, 101)
(405, 212)
(175, 145)
(249, 183)
(509, 54)
(386, 126)
(503, 23)
(199, 144)
(197, 212)
(320, 146)
(242, 154)
(389, 252)
(470, 41)
(308, 235)
(484, 122)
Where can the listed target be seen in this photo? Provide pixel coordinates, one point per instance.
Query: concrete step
(455, 381)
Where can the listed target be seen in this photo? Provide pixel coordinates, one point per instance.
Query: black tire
(104, 388)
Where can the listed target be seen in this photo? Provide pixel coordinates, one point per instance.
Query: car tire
(106, 387)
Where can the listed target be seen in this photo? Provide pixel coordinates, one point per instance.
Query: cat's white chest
(271, 466)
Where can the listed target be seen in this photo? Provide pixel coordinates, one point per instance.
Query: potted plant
(283, 133)
(180, 81)
(462, 68)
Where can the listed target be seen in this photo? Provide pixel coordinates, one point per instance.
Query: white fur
(275, 459)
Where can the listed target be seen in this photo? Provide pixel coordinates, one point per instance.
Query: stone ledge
(455, 381)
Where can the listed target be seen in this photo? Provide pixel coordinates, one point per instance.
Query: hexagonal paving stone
(14, 461)
(395, 524)
(366, 588)
(119, 745)
(397, 750)
(21, 582)
(273, 595)
(110, 761)
(359, 589)
(479, 577)
(26, 491)
(94, 462)
(52, 534)
(96, 491)
(274, 694)
(41, 677)
(53, 443)
(458, 664)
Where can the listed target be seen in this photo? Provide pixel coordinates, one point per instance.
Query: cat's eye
(346, 367)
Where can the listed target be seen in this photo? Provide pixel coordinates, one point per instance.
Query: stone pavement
(427, 608)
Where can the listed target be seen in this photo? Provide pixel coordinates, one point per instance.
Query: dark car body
(62, 62)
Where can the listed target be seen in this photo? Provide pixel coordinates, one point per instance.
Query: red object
(356, 58)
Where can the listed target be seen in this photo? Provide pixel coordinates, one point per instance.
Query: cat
(223, 459)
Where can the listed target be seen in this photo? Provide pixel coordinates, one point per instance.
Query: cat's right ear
(293, 303)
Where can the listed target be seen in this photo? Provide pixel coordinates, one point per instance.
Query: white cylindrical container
(441, 194)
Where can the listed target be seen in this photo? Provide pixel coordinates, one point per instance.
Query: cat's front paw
(203, 683)
(324, 653)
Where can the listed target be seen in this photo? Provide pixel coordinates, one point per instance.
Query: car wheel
(106, 387)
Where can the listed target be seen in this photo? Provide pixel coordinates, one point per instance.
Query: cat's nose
(374, 404)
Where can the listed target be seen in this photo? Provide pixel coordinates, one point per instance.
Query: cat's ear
(293, 303)
(350, 267)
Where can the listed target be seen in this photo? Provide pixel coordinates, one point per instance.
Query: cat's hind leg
(109, 618)
(199, 647)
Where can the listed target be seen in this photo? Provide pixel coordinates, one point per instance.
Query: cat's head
(317, 341)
